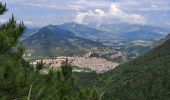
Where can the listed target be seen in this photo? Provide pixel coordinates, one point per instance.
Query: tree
(40, 65)
(2, 8)
(11, 51)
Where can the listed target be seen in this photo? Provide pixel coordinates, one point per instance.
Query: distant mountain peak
(74, 23)
(50, 26)
(52, 40)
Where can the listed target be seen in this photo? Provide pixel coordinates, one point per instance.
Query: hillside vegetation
(145, 78)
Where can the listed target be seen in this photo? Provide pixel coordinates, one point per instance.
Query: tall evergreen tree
(11, 51)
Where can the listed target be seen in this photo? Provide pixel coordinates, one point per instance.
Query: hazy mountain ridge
(88, 32)
(133, 31)
(112, 32)
(28, 32)
(52, 40)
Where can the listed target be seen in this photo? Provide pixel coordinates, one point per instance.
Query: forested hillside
(145, 78)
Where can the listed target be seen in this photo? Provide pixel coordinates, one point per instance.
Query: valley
(75, 40)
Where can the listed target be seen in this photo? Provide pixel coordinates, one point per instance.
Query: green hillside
(145, 78)
(52, 41)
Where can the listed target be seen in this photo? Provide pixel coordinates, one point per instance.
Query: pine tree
(11, 51)
(40, 65)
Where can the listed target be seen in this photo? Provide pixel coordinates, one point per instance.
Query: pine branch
(3, 8)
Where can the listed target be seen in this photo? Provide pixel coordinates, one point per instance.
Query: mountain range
(134, 31)
(73, 38)
(52, 40)
(111, 32)
(89, 32)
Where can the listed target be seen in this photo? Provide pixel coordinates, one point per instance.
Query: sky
(38, 13)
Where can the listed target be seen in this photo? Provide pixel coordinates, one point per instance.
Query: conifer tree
(11, 51)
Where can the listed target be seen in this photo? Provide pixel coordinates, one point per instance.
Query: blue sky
(38, 13)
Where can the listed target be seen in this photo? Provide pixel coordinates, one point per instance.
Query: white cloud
(113, 12)
(57, 4)
(52, 4)
(98, 14)
(97, 11)
(3, 20)
(27, 22)
(145, 5)
(116, 12)
(81, 16)
(154, 6)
